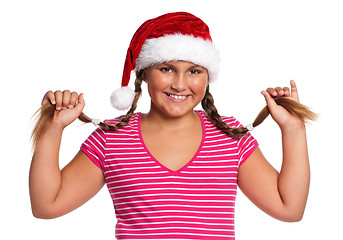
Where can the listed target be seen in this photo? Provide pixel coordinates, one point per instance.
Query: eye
(166, 69)
(195, 71)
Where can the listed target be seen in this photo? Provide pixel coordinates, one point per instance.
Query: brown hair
(295, 108)
(301, 111)
(46, 114)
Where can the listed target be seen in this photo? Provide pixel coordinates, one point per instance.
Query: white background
(81, 45)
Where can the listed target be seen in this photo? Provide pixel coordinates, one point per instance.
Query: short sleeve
(246, 144)
(94, 147)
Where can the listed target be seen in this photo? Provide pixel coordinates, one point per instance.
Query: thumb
(269, 100)
(80, 104)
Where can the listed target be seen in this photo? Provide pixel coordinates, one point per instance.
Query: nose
(179, 82)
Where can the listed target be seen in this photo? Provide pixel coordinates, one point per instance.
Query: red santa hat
(170, 37)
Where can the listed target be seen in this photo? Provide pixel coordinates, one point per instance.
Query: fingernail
(58, 108)
(53, 102)
(70, 106)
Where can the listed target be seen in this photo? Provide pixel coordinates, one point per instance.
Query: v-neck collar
(200, 114)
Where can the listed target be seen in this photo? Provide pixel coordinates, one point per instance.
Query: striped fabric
(154, 202)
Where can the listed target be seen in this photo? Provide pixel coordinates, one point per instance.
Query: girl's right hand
(68, 106)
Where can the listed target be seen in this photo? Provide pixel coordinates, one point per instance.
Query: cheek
(156, 86)
(157, 81)
(199, 86)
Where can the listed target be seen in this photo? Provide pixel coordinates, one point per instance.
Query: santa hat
(170, 37)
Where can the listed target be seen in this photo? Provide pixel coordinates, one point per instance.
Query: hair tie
(95, 121)
(249, 127)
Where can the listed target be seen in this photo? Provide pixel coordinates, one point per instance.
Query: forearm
(294, 178)
(45, 173)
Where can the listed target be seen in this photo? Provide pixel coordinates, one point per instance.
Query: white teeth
(177, 97)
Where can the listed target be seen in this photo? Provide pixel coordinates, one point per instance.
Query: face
(176, 88)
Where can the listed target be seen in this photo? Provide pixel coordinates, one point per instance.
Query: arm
(54, 192)
(282, 195)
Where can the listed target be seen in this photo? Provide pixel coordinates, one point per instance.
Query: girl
(172, 172)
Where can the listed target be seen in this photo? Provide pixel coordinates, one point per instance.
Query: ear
(141, 75)
(144, 75)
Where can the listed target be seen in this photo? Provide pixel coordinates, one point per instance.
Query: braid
(208, 105)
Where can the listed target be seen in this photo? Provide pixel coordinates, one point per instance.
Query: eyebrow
(192, 66)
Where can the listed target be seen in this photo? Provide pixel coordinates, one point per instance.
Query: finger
(80, 103)
(280, 92)
(269, 100)
(65, 99)
(287, 92)
(272, 92)
(73, 98)
(294, 90)
(49, 97)
(58, 99)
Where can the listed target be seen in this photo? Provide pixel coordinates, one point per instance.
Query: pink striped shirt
(154, 202)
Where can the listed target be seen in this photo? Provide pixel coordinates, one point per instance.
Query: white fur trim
(122, 98)
(179, 47)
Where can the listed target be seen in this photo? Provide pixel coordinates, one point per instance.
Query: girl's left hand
(280, 115)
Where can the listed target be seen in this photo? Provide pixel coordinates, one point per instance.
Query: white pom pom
(122, 98)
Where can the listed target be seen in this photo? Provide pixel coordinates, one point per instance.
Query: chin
(177, 113)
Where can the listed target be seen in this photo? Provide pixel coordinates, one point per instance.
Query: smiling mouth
(177, 97)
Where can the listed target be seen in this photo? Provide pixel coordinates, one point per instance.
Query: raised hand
(281, 116)
(68, 106)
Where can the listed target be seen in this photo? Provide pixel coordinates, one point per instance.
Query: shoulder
(229, 120)
(232, 122)
(133, 120)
